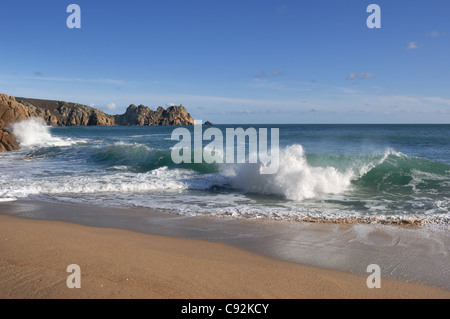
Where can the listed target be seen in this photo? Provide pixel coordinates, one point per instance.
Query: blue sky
(235, 61)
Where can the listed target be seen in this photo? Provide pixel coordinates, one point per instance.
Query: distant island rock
(143, 115)
(59, 113)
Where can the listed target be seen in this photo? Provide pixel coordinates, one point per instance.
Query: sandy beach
(206, 151)
(119, 263)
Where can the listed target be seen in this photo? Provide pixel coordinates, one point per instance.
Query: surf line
(258, 148)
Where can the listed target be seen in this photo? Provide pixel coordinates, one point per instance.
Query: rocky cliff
(12, 111)
(59, 113)
(143, 115)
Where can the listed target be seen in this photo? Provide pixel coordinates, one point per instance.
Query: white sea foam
(119, 167)
(34, 132)
(295, 179)
(317, 188)
(160, 179)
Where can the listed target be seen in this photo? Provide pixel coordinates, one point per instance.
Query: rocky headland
(60, 113)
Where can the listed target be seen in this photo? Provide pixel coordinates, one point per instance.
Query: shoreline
(37, 253)
(248, 247)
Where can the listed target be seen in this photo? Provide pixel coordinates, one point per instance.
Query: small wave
(395, 171)
(122, 182)
(132, 155)
(144, 158)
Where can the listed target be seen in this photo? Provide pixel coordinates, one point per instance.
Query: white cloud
(362, 76)
(286, 86)
(111, 106)
(346, 90)
(436, 34)
(261, 75)
(282, 9)
(277, 73)
(412, 46)
(39, 76)
(101, 81)
(437, 100)
(401, 100)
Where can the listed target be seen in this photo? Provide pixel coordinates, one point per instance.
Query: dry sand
(34, 256)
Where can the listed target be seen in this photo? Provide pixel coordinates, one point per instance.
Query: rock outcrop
(7, 141)
(143, 115)
(59, 113)
(176, 115)
(12, 111)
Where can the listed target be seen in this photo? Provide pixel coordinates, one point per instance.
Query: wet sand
(124, 263)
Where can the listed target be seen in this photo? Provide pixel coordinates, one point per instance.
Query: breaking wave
(302, 176)
(34, 133)
(127, 173)
(295, 179)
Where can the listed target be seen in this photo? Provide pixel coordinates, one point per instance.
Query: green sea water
(329, 172)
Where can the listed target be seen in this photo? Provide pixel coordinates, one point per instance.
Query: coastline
(173, 257)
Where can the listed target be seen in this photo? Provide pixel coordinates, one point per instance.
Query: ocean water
(365, 173)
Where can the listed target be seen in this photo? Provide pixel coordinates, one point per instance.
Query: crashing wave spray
(295, 179)
(34, 132)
